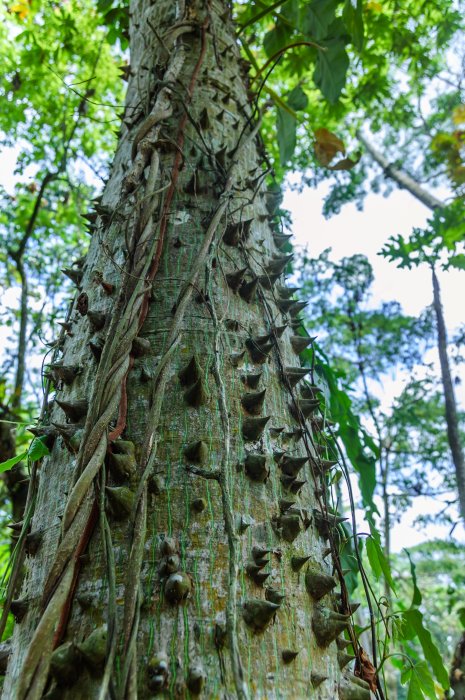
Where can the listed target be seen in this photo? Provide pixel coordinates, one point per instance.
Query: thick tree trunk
(453, 434)
(175, 506)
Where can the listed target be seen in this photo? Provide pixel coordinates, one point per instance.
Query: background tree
(60, 86)
(418, 124)
(367, 345)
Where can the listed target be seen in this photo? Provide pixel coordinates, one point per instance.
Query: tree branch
(403, 180)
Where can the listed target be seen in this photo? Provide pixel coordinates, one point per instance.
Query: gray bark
(453, 435)
(190, 516)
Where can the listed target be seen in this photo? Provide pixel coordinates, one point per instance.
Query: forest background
(383, 108)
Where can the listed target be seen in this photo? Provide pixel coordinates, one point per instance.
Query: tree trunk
(15, 480)
(457, 674)
(453, 434)
(168, 545)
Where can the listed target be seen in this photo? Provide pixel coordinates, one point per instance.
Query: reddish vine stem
(176, 169)
(163, 224)
(123, 406)
(80, 549)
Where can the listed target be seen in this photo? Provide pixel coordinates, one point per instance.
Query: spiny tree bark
(453, 432)
(183, 542)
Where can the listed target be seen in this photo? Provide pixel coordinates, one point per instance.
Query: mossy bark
(173, 515)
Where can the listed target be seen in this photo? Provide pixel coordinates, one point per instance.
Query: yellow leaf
(20, 8)
(458, 115)
(327, 145)
(375, 6)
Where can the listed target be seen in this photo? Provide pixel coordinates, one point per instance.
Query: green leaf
(348, 558)
(291, 11)
(350, 431)
(297, 99)
(9, 463)
(331, 68)
(276, 39)
(104, 5)
(37, 449)
(430, 650)
(425, 679)
(417, 598)
(414, 689)
(287, 137)
(261, 14)
(337, 476)
(320, 14)
(373, 557)
(457, 261)
(352, 15)
(377, 553)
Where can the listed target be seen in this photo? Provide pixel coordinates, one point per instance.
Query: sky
(366, 232)
(354, 231)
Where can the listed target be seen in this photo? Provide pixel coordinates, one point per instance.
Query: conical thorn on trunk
(256, 467)
(259, 613)
(317, 583)
(251, 380)
(252, 428)
(327, 625)
(74, 410)
(191, 373)
(288, 655)
(237, 233)
(300, 343)
(248, 290)
(235, 279)
(196, 452)
(253, 402)
(298, 562)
